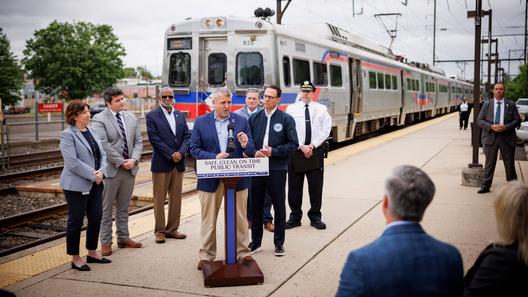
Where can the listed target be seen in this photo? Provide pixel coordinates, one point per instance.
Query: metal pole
(476, 85)
(496, 63)
(62, 113)
(36, 116)
(434, 33)
(525, 30)
(279, 12)
(488, 84)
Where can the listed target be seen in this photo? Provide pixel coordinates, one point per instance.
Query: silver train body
(363, 84)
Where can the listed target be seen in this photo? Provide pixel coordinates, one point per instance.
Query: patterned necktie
(498, 113)
(308, 138)
(122, 128)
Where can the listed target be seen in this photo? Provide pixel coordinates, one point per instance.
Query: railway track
(36, 227)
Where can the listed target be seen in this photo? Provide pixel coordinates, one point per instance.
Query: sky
(140, 25)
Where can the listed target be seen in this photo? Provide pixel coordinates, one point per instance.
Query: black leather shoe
(254, 248)
(82, 268)
(279, 251)
(318, 225)
(95, 260)
(483, 190)
(292, 224)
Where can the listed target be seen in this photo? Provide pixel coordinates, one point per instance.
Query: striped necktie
(122, 128)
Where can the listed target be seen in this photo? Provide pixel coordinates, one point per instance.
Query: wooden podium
(231, 272)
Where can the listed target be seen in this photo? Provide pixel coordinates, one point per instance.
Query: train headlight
(259, 25)
(219, 23)
(207, 23)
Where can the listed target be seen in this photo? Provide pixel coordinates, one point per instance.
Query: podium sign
(229, 272)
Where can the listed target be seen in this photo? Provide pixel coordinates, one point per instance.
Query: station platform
(353, 190)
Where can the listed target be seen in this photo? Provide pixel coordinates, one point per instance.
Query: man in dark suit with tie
(275, 138)
(169, 135)
(405, 261)
(498, 119)
(121, 139)
(211, 139)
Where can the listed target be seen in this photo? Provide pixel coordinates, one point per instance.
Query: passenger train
(364, 85)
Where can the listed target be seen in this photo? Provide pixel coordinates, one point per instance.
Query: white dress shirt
(501, 111)
(170, 118)
(266, 135)
(320, 121)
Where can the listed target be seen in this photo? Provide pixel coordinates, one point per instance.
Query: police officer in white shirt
(313, 125)
(463, 108)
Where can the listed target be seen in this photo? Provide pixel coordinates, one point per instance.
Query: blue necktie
(122, 128)
(498, 113)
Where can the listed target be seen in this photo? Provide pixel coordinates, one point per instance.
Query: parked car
(17, 109)
(522, 105)
(522, 133)
(97, 108)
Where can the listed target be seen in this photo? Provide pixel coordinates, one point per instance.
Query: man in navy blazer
(209, 140)
(275, 137)
(169, 135)
(404, 261)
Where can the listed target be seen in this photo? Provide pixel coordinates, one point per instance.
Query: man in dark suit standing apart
(313, 125)
(498, 119)
(221, 134)
(121, 138)
(169, 135)
(405, 261)
(275, 138)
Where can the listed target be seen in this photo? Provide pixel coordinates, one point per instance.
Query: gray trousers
(118, 190)
(508, 158)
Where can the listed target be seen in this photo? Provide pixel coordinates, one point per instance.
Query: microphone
(230, 138)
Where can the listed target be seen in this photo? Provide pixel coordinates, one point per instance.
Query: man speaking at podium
(221, 134)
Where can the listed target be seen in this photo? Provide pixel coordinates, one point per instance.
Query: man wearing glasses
(313, 125)
(275, 138)
(169, 136)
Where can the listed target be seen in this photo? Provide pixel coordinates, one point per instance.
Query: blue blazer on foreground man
(204, 128)
(165, 143)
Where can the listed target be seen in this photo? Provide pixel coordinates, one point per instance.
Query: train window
(433, 87)
(409, 85)
(301, 71)
(286, 71)
(380, 81)
(180, 70)
(250, 69)
(416, 86)
(217, 68)
(387, 81)
(320, 74)
(394, 82)
(336, 79)
(372, 80)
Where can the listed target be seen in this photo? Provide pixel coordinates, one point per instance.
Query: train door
(355, 92)
(212, 68)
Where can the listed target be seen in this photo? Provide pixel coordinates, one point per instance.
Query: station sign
(50, 107)
(237, 167)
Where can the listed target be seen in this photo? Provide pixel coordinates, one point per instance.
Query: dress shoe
(244, 259)
(279, 251)
(175, 234)
(254, 248)
(318, 225)
(483, 190)
(129, 243)
(160, 238)
(106, 249)
(82, 268)
(270, 227)
(201, 264)
(292, 224)
(99, 261)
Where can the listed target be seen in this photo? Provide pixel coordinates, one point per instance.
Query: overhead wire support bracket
(392, 32)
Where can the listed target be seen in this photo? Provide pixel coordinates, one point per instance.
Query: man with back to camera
(169, 135)
(275, 138)
(313, 125)
(121, 139)
(211, 139)
(498, 119)
(405, 261)
(251, 107)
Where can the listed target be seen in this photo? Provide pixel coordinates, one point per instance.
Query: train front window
(180, 70)
(217, 69)
(320, 74)
(250, 70)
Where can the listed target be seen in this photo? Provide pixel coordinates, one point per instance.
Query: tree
(11, 74)
(518, 87)
(74, 60)
(144, 73)
(129, 72)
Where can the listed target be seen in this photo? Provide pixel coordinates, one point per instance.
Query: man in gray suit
(498, 119)
(121, 138)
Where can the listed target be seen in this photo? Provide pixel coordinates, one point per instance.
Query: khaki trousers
(210, 204)
(163, 183)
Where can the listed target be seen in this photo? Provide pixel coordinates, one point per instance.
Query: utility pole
(434, 33)
(525, 31)
(280, 11)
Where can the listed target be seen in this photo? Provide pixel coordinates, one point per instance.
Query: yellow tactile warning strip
(25, 267)
(44, 260)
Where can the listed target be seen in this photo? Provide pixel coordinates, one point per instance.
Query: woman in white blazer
(82, 183)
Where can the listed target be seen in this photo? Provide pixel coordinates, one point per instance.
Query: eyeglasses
(268, 97)
(165, 97)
